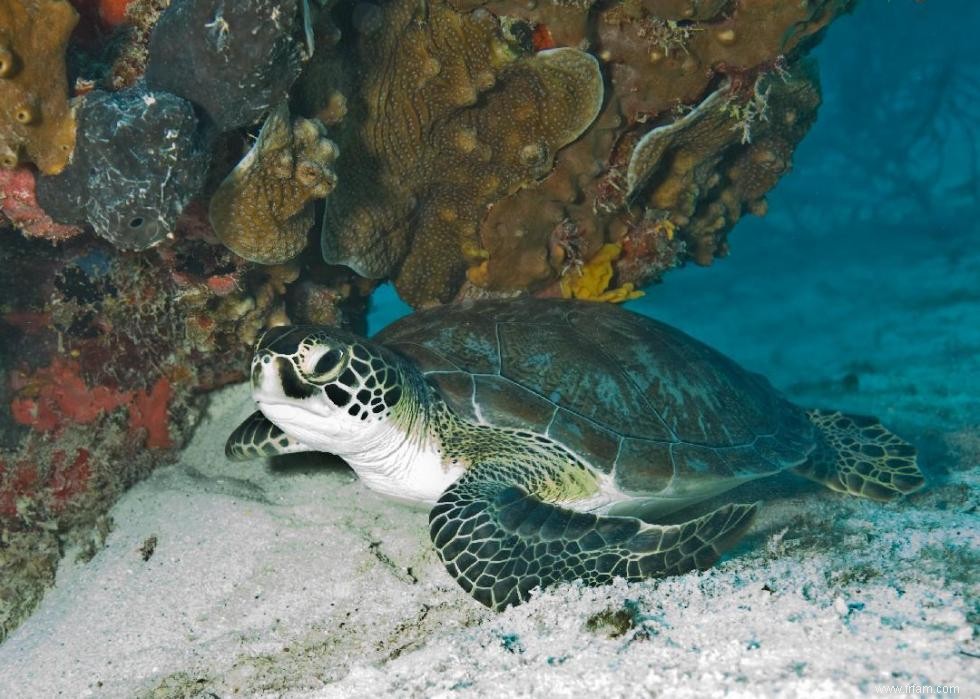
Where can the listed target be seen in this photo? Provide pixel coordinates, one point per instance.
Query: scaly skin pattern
(483, 411)
(499, 541)
(501, 529)
(549, 470)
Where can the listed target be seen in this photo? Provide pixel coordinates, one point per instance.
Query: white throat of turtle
(399, 456)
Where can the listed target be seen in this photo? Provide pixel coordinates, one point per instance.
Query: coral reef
(264, 209)
(396, 212)
(106, 355)
(104, 361)
(137, 163)
(662, 63)
(235, 60)
(452, 112)
(36, 123)
(87, 411)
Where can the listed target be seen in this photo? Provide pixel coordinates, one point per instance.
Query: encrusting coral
(264, 209)
(18, 203)
(451, 112)
(662, 60)
(36, 123)
(591, 281)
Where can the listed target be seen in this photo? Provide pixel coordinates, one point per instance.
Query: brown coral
(264, 209)
(429, 100)
(704, 169)
(36, 123)
(453, 112)
(662, 60)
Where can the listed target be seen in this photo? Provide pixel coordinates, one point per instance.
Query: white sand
(299, 582)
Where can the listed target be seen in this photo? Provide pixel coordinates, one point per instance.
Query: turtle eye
(327, 362)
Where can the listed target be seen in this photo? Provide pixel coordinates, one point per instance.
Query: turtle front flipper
(861, 457)
(500, 541)
(257, 437)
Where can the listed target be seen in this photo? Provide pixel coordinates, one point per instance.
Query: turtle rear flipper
(257, 437)
(499, 541)
(861, 457)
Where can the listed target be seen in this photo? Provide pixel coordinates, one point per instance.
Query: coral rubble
(235, 60)
(36, 123)
(137, 163)
(264, 209)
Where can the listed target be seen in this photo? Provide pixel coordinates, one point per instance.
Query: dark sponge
(138, 161)
(235, 59)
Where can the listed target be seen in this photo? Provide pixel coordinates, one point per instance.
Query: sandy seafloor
(290, 579)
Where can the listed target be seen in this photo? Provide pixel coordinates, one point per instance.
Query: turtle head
(322, 384)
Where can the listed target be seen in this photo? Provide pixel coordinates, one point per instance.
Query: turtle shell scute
(629, 395)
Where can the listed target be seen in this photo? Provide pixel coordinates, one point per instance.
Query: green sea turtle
(551, 436)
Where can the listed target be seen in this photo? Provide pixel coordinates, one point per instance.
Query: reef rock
(451, 187)
(663, 60)
(36, 123)
(453, 111)
(235, 60)
(263, 211)
(137, 163)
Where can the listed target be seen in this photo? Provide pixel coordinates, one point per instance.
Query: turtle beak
(275, 379)
(265, 382)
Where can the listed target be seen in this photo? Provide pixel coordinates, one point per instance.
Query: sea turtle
(551, 436)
